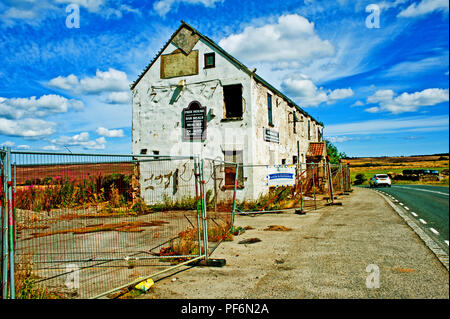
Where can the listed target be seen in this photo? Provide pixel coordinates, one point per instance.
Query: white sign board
(281, 175)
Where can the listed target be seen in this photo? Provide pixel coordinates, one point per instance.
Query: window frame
(206, 55)
(270, 109)
(233, 118)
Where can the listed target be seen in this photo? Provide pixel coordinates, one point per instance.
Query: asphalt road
(428, 205)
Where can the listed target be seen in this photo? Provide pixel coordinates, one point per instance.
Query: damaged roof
(316, 149)
(236, 62)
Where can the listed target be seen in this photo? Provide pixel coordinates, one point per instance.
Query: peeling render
(157, 118)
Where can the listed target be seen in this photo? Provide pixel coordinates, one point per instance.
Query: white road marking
(414, 214)
(434, 231)
(422, 221)
(423, 190)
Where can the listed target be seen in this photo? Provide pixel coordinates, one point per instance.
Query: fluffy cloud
(17, 108)
(162, 7)
(27, 128)
(119, 98)
(82, 139)
(339, 139)
(109, 133)
(34, 12)
(406, 102)
(51, 148)
(291, 38)
(385, 126)
(107, 81)
(307, 93)
(424, 7)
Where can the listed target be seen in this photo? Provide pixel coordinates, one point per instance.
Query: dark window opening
(269, 108)
(232, 97)
(143, 151)
(156, 153)
(230, 169)
(210, 60)
(283, 161)
(294, 159)
(309, 130)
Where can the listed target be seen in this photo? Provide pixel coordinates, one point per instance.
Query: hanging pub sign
(271, 136)
(194, 122)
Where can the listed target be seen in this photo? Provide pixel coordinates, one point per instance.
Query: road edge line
(441, 255)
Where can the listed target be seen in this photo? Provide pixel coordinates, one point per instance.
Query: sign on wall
(281, 175)
(179, 64)
(271, 136)
(194, 122)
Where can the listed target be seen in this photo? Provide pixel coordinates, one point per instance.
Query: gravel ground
(325, 255)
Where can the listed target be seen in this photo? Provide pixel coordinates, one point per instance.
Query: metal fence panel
(89, 223)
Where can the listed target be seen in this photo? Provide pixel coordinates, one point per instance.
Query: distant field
(379, 165)
(75, 172)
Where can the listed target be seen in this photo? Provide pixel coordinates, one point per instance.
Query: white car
(380, 180)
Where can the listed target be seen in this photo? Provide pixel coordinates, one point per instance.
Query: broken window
(309, 130)
(294, 159)
(230, 169)
(269, 108)
(232, 97)
(210, 60)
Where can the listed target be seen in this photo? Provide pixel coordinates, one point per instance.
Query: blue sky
(379, 88)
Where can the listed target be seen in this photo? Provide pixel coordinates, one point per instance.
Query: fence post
(314, 186)
(234, 194)
(10, 228)
(197, 192)
(215, 187)
(202, 196)
(301, 187)
(5, 228)
(330, 182)
(341, 179)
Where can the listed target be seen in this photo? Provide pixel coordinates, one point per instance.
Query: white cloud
(307, 94)
(339, 139)
(357, 103)
(82, 139)
(17, 108)
(109, 133)
(424, 7)
(8, 144)
(23, 147)
(27, 128)
(406, 102)
(51, 148)
(104, 81)
(420, 66)
(119, 97)
(90, 5)
(162, 7)
(291, 38)
(388, 126)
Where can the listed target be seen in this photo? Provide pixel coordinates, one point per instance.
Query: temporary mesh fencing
(85, 225)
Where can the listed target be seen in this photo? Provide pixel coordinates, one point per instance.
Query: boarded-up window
(179, 64)
(230, 169)
(269, 108)
(232, 98)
